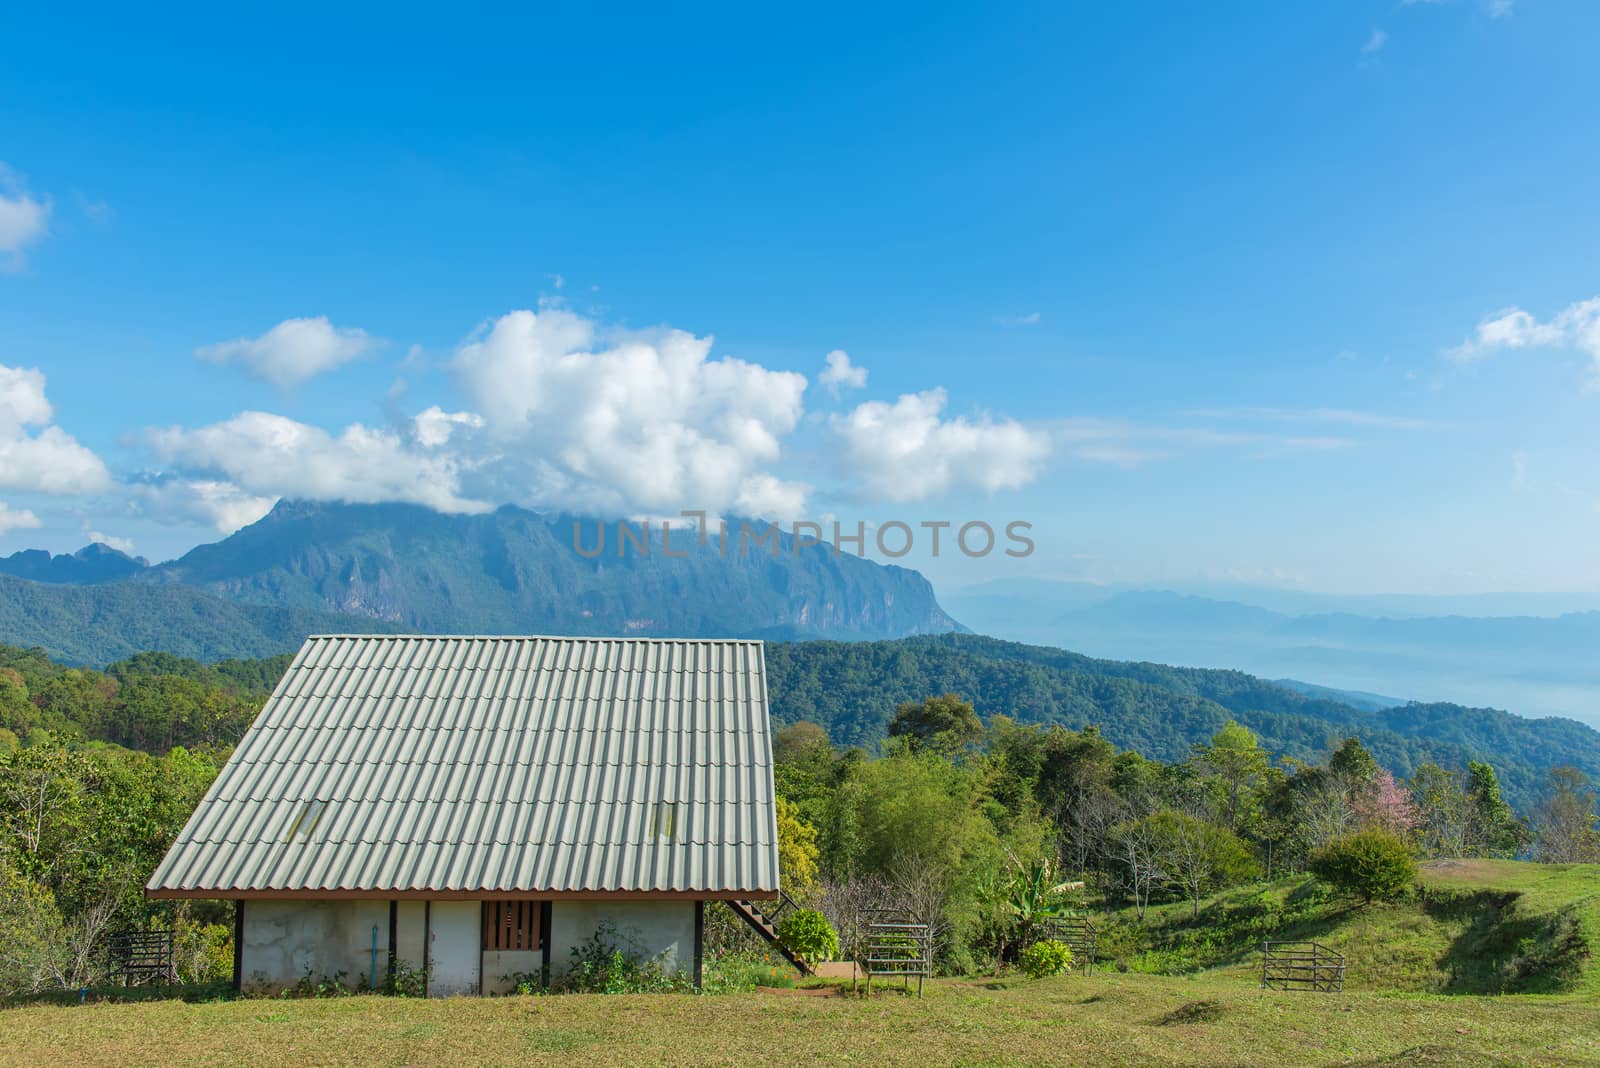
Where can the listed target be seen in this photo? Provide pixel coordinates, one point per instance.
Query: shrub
(1049, 957)
(808, 935)
(601, 966)
(1372, 864)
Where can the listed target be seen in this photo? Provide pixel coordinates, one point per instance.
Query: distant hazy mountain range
(402, 567)
(1544, 660)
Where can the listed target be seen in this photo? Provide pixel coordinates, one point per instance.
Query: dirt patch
(802, 991)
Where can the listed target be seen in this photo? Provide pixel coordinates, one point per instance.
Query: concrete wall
(283, 940)
(650, 929)
(457, 948)
(409, 933)
(500, 963)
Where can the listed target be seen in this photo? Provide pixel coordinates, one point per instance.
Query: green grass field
(1107, 1019)
(1481, 927)
(1493, 965)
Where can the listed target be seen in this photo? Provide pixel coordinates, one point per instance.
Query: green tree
(1196, 857)
(1496, 830)
(1565, 822)
(1234, 765)
(946, 725)
(797, 851)
(1373, 864)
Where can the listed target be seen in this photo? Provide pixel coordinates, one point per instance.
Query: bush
(1049, 957)
(601, 966)
(1371, 864)
(809, 936)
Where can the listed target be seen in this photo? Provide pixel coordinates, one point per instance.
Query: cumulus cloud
(268, 456)
(24, 219)
(292, 351)
(632, 422)
(49, 461)
(840, 374)
(202, 502)
(434, 426)
(16, 519)
(906, 451)
(122, 545)
(1577, 326)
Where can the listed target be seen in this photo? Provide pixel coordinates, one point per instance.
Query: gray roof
(495, 764)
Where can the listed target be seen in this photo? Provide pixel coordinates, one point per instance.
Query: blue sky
(1289, 294)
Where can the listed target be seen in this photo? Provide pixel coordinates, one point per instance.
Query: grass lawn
(1107, 1019)
(1483, 927)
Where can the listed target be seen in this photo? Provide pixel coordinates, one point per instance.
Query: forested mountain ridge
(852, 690)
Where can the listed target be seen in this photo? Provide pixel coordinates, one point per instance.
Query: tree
(1496, 831)
(1352, 765)
(1446, 811)
(1234, 765)
(946, 725)
(1134, 845)
(797, 850)
(1372, 863)
(1197, 857)
(1383, 804)
(1565, 823)
(801, 743)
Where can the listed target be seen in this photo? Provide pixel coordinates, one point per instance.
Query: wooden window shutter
(511, 925)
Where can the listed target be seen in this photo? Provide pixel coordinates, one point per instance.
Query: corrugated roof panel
(494, 765)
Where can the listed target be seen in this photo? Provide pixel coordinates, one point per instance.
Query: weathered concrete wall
(409, 933)
(651, 929)
(284, 940)
(500, 963)
(456, 952)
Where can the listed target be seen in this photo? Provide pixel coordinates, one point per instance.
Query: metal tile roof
(495, 764)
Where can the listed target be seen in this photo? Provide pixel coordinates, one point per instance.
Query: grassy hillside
(1107, 1019)
(1475, 927)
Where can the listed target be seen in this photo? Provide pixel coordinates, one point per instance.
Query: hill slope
(99, 624)
(1474, 927)
(852, 689)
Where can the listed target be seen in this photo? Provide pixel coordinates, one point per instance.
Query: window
(664, 821)
(306, 822)
(511, 925)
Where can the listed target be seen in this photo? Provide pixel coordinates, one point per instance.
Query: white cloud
(1374, 43)
(840, 373)
(905, 451)
(1577, 326)
(122, 545)
(16, 519)
(292, 351)
(1499, 9)
(267, 455)
(24, 219)
(636, 422)
(203, 502)
(49, 461)
(433, 426)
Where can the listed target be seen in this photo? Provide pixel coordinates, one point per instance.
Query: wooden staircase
(763, 916)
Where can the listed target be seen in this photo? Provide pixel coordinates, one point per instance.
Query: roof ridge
(539, 638)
